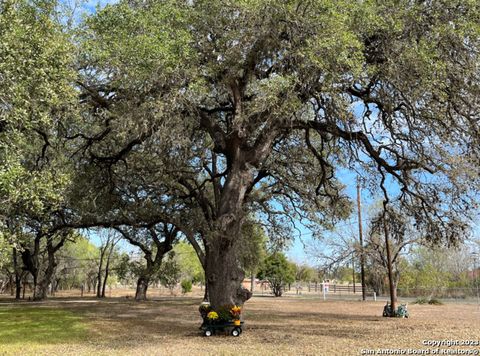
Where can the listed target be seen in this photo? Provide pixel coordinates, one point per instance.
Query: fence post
(374, 296)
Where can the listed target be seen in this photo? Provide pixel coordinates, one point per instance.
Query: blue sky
(297, 252)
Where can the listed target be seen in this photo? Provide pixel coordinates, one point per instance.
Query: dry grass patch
(285, 326)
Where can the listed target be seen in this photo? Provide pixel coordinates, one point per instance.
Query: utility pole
(360, 234)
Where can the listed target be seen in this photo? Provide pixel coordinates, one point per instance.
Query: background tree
(106, 249)
(4, 251)
(278, 271)
(155, 242)
(304, 273)
(36, 96)
(189, 263)
(430, 272)
(254, 249)
(170, 273)
(77, 265)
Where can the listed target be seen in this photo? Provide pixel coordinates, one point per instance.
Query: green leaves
(278, 271)
(134, 46)
(36, 96)
(35, 63)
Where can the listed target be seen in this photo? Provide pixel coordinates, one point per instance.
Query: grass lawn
(29, 329)
(274, 326)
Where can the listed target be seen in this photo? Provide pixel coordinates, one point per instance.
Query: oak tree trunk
(144, 279)
(11, 285)
(41, 287)
(224, 275)
(223, 271)
(391, 281)
(18, 276)
(142, 286)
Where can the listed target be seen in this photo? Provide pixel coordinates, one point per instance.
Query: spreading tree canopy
(198, 113)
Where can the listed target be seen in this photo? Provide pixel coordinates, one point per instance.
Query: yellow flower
(212, 315)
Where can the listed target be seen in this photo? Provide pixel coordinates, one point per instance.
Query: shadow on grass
(167, 319)
(28, 324)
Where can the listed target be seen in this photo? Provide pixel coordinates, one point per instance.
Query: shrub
(421, 300)
(186, 286)
(435, 301)
(431, 301)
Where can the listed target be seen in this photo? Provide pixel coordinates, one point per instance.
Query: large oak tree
(226, 107)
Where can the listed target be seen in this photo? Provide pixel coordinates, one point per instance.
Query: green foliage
(224, 312)
(222, 109)
(4, 250)
(421, 300)
(345, 274)
(36, 72)
(429, 270)
(188, 261)
(134, 41)
(124, 268)
(35, 65)
(278, 271)
(305, 273)
(253, 242)
(431, 301)
(77, 263)
(186, 285)
(169, 273)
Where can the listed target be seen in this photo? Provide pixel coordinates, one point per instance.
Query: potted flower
(212, 317)
(235, 311)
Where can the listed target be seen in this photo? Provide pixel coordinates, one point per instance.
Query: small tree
(278, 271)
(305, 273)
(170, 272)
(186, 286)
(254, 241)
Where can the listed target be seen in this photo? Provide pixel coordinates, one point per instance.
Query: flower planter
(233, 328)
(226, 320)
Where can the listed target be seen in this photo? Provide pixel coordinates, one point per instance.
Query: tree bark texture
(99, 273)
(391, 282)
(41, 287)
(223, 271)
(107, 267)
(142, 287)
(18, 276)
(146, 275)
